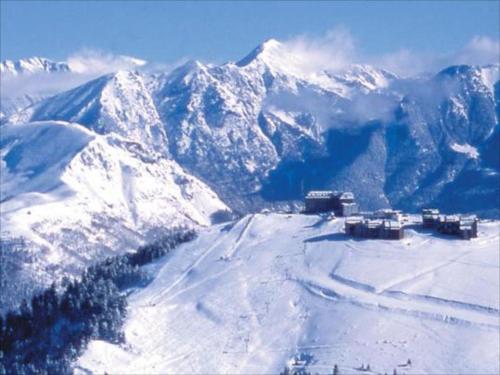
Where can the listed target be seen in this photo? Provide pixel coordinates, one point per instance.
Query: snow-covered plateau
(249, 296)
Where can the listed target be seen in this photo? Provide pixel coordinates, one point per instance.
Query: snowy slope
(117, 103)
(247, 297)
(27, 81)
(75, 196)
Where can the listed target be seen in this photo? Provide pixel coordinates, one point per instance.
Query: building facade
(374, 228)
(430, 217)
(341, 203)
(462, 226)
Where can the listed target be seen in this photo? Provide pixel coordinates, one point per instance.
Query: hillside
(74, 196)
(247, 297)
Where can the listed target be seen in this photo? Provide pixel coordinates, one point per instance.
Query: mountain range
(110, 161)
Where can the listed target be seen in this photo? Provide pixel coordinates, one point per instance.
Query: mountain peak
(263, 52)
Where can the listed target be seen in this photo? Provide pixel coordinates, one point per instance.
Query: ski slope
(247, 297)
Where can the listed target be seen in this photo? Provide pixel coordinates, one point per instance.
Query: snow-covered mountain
(19, 79)
(31, 65)
(27, 81)
(258, 132)
(75, 196)
(250, 296)
(118, 103)
(265, 129)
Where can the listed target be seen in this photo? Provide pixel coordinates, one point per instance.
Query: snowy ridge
(31, 65)
(295, 284)
(118, 103)
(75, 195)
(28, 81)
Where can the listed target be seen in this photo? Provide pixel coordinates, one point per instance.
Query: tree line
(46, 334)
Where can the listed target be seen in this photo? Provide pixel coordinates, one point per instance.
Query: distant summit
(264, 51)
(32, 65)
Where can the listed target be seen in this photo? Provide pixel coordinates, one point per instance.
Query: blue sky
(220, 31)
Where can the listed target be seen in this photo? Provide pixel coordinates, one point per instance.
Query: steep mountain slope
(118, 103)
(28, 81)
(75, 196)
(247, 297)
(444, 125)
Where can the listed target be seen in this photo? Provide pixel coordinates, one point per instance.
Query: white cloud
(481, 50)
(338, 49)
(334, 50)
(404, 62)
(91, 61)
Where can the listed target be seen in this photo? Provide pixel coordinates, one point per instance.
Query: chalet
(358, 226)
(341, 203)
(430, 217)
(462, 226)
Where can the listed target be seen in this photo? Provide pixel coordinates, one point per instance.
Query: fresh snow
(247, 297)
(76, 196)
(490, 75)
(467, 149)
(30, 66)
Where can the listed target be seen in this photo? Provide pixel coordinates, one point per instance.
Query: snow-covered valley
(246, 297)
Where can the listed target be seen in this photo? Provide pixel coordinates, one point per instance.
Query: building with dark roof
(357, 226)
(341, 203)
(462, 226)
(430, 217)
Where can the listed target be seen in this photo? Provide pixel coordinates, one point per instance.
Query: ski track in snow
(128, 190)
(421, 273)
(245, 300)
(443, 310)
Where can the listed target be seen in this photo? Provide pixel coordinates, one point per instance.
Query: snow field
(248, 296)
